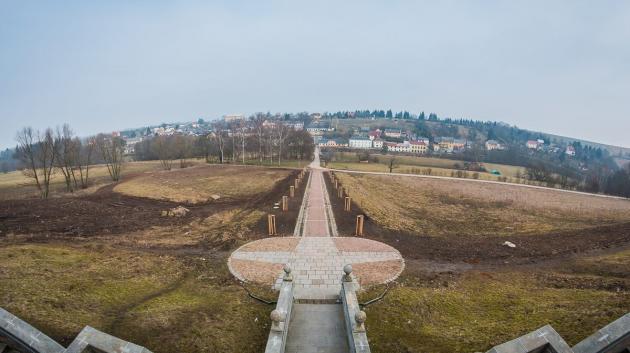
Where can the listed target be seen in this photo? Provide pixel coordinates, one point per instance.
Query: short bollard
(340, 192)
(347, 203)
(292, 191)
(271, 222)
(297, 182)
(336, 184)
(285, 203)
(359, 228)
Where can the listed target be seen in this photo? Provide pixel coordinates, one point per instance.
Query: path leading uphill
(316, 255)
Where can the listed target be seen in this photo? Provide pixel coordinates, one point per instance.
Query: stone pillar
(347, 269)
(277, 320)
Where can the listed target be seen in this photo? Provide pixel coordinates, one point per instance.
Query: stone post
(288, 277)
(359, 319)
(347, 203)
(277, 320)
(285, 203)
(292, 190)
(347, 269)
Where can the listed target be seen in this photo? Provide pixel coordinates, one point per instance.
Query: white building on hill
(360, 142)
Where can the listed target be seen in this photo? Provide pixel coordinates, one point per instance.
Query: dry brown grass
(453, 207)
(202, 183)
(15, 185)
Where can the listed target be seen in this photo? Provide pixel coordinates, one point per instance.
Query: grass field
(421, 165)
(473, 311)
(452, 207)
(202, 183)
(187, 304)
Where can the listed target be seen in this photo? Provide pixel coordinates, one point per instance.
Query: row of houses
(539, 145)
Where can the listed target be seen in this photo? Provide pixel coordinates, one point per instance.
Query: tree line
(43, 153)
(247, 141)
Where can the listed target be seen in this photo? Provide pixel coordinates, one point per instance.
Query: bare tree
(84, 159)
(241, 135)
(37, 151)
(281, 135)
(219, 136)
(232, 134)
(270, 143)
(391, 164)
(260, 133)
(183, 149)
(163, 147)
(203, 145)
(111, 149)
(67, 154)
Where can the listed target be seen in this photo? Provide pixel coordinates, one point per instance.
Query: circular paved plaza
(316, 262)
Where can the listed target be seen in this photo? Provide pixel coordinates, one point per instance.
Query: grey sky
(556, 66)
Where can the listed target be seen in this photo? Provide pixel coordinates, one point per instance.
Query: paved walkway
(316, 218)
(316, 258)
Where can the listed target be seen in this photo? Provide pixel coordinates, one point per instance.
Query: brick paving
(316, 258)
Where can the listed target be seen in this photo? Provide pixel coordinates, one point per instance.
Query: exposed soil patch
(285, 220)
(486, 249)
(107, 212)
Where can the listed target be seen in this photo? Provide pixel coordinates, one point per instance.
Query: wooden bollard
(347, 191)
(347, 203)
(297, 182)
(285, 203)
(340, 192)
(336, 184)
(359, 227)
(271, 222)
(292, 191)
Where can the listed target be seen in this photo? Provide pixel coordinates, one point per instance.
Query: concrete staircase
(316, 328)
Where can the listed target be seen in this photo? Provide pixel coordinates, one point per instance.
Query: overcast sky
(555, 66)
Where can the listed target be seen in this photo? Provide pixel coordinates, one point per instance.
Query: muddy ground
(486, 250)
(106, 212)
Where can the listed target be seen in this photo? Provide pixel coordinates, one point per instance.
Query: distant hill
(616, 151)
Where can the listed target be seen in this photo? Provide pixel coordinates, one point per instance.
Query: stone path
(317, 328)
(316, 219)
(316, 258)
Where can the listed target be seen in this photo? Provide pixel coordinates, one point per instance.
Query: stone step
(316, 328)
(317, 300)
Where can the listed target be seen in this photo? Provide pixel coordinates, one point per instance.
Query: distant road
(479, 181)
